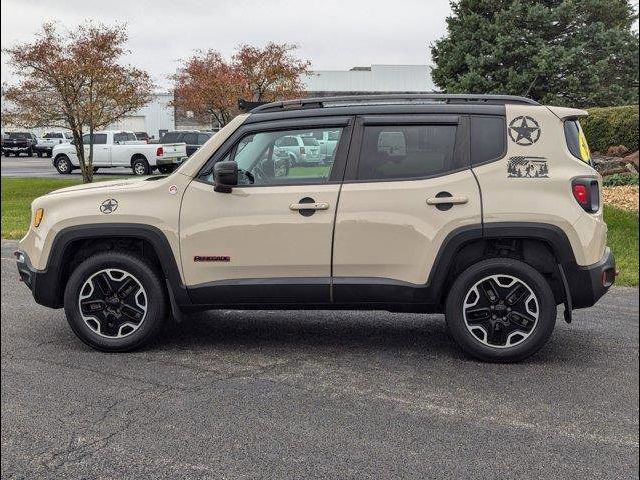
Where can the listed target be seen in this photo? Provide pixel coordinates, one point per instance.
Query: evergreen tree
(581, 53)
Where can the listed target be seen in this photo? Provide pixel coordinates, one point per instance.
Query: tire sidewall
(146, 275)
(139, 161)
(526, 273)
(63, 158)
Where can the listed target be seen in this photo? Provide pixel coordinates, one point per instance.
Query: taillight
(582, 194)
(301, 149)
(587, 193)
(159, 152)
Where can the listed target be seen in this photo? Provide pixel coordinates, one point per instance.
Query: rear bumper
(170, 161)
(588, 284)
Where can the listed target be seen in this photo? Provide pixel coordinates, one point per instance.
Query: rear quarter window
(488, 139)
(576, 140)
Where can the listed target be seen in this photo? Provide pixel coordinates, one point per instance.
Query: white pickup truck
(112, 148)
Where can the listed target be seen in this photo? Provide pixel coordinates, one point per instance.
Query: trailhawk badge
(109, 205)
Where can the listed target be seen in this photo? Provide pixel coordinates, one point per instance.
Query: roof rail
(394, 98)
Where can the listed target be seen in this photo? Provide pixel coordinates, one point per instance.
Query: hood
(133, 183)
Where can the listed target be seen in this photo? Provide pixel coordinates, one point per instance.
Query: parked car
(49, 140)
(480, 207)
(193, 138)
(328, 140)
(301, 149)
(119, 149)
(19, 142)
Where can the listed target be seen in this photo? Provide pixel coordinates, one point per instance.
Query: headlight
(38, 217)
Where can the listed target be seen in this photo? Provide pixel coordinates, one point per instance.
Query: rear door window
(190, 138)
(406, 151)
(488, 139)
(172, 137)
(202, 138)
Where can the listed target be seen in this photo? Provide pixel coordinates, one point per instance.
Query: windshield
(19, 135)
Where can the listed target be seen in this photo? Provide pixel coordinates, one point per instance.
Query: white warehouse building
(373, 79)
(155, 118)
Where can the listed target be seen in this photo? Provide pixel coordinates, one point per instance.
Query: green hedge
(618, 180)
(611, 126)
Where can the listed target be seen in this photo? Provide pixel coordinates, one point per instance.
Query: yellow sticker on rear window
(585, 153)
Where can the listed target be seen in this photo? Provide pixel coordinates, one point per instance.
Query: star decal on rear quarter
(109, 205)
(524, 131)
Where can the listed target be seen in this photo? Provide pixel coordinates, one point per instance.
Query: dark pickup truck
(193, 138)
(19, 142)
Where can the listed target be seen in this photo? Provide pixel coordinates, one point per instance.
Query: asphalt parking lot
(24, 166)
(316, 395)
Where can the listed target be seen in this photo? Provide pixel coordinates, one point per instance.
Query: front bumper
(42, 283)
(15, 149)
(588, 284)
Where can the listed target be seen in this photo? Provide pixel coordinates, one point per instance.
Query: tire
(30, 153)
(166, 169)
(63, 165)
(140, 166)
(121, 322)
(39, 154)
(495, 327)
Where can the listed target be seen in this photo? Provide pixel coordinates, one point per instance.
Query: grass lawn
(18, 193)
(623, 240)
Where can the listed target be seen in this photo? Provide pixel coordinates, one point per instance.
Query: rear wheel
(501, 310)
(63, 165)
(140, 166)
(39, 154)
(115, 301)
(30, 153)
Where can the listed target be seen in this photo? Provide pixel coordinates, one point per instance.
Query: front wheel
(63, 165)
(140, 166)
(39, 154)
(30, 153)
(500, 310)
(115, 302)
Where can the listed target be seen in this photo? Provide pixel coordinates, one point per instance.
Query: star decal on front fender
(524, 130)
(109, 205)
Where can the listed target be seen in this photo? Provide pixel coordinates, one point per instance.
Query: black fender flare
(49, 289)
(554, 237)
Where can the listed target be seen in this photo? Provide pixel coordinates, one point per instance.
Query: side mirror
(225, 176)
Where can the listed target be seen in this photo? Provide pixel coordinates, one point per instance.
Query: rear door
(408, 185)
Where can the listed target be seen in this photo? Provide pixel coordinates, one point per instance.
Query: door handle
(309, 206)
(450, 200)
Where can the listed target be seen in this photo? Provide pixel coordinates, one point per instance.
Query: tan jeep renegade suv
(481, 207)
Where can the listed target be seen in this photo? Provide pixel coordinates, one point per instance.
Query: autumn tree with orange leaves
(74, 80)
(210, 87)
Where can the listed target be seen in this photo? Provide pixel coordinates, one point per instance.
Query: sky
(331, 34)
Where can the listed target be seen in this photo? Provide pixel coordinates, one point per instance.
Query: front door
(101, 151)
(269, 240)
